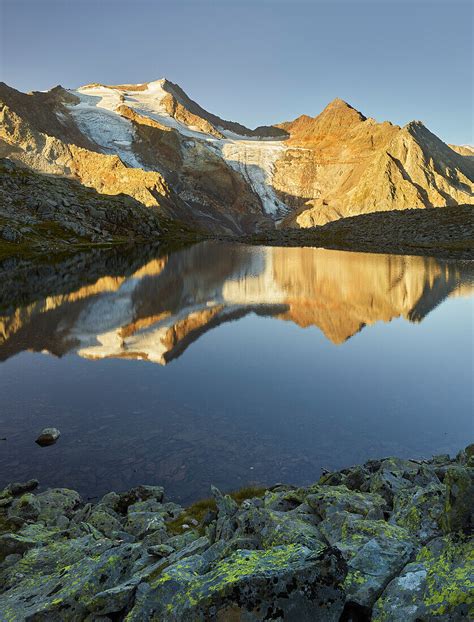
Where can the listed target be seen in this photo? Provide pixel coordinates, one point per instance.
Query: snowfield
(97, 117)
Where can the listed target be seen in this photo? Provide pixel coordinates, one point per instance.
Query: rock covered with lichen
(387, 540)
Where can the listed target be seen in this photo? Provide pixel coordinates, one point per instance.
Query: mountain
(154, 143)
(155, 311)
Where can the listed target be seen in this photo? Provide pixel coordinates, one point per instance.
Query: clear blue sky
(261, 61)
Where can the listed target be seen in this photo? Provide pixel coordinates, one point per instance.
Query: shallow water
(234, 365)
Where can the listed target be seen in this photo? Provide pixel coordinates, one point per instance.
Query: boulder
(420, 510)
(26, 507)
(271, 528)
(48, 436)
(459, 502)
(226, 510)
(121, 502)
(438, 585)
(327, 500)
(57, 502)
(19, 488)
(60, 582)
(283, 583)
(141, 524)
(375, 552)
(104, 521)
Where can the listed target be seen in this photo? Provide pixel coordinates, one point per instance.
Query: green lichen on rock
(285, 578)
(420, 510)
(368, 538)
(438, 584)
(327, 500)
(459, 502)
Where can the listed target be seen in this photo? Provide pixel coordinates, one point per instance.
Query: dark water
(233, 365)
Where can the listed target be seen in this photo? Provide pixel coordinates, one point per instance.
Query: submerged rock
(48, 437)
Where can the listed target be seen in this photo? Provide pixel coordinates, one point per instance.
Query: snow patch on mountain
(97, 117)
(255, 161)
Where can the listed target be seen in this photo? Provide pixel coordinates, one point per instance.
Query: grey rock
(11, 560)
(459, 502)
(61, 583)
(48, 436)
(420, 510)
(104, 521)
(437, 585)
(327, 500)
(26, 507)
(160, 550)
(226, 510)
(134, 495)
(57, 502)
(141, 524)
(283, 500)
(374, 550)
(273, 528)
(18, 488)
(288, 583)
(9, 234)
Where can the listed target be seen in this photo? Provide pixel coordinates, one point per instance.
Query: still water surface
(233, 365)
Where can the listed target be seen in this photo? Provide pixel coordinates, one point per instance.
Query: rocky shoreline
(390, 540)
(445, 233)
(43, 217)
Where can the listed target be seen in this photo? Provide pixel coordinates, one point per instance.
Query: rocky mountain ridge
(155, 144)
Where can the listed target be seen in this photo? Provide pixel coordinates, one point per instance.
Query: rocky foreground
(390, 540)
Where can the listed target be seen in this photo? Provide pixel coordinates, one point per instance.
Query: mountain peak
(340, 108)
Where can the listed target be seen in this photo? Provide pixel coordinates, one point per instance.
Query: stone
(327, 500)
(283, 500)
(104, 521)
(57, 502)
(420, 510)
(466, 456)
(273, 528)
(60, 582)
(26, 507)
(160, 550)
(437, 585)
(18, 488)
(141, 524)
(11, 560)
(48, 436)
(226, 510)
(134, 495)
(28, 537)
(375, 552)
(9, 234)
(285, 582)
(459, 502)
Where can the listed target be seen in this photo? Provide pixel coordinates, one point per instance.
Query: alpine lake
(231, 365)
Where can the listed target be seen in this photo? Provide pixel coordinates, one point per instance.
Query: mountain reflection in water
(169, 302)
(311, 375)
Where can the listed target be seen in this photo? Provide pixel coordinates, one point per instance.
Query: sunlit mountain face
(155, 312)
